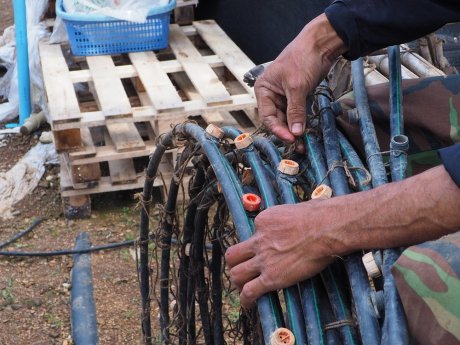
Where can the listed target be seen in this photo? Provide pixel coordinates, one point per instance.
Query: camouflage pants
(428, 281)
(427, 275)
(431, 118)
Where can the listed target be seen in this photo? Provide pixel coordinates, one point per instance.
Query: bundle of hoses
(236, 175)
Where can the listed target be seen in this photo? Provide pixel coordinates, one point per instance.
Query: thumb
(296, 110)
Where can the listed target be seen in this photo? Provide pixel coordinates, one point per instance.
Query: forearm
(418, 209)
(366, 26)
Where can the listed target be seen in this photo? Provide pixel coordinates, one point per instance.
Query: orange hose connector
(243, 140)
(251, 202)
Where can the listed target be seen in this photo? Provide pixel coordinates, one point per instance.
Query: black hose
(21, 233)
(197, 261)
(70, 251)
(184, 260)
(165, 240)
(163, 143)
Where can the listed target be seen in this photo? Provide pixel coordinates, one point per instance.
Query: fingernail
(297, 128)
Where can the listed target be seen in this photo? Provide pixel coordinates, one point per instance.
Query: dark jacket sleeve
(368, 25)
(450, 157)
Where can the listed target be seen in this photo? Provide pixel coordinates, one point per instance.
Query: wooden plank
(147, 113)
(105, 185)
(83, 175)
(200, 73)
(234, 59)
(63, 103)
(110, 91)
(67, 139)
(219, 118)
(156, 82)
(109, 153)
(128, 71)
(122, 171)
(125, 136)
(88, 148)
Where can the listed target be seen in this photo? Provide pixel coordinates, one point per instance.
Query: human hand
(284, 250)
(282, 89)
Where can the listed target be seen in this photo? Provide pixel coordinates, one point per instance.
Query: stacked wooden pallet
(107, 111)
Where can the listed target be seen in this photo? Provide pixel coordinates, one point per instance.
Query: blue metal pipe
(83, 309)
(22, 58)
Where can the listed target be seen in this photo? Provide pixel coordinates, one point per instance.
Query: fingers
(239, 253)
(296, 110)
(272, 111)
(251, 291)
(244, 272)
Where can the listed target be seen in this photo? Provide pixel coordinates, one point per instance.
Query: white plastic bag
(9, 82)
(24, 176)
(130, 10)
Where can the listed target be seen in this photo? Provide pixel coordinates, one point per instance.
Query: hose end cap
(282, 336)
(251, 202)
(322, 192)
(373, 270)
(243, 140)
(288, 167)
(214, 131)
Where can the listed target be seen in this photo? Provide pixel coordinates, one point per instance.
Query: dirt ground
(34, 292)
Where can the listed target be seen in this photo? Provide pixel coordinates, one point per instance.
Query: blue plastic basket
(99, 35)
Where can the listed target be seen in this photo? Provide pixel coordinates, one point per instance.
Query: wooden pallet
(107, 111)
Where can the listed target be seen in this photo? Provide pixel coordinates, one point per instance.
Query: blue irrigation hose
(395, 321)
(371, 146)
(83, 309)
(308, 303)
(263, 181)
(368, 324)
(232, 193)
(315, 157)
(331, 334)
(353, 160)
(395, 324)
(399, 143)
(317, 162)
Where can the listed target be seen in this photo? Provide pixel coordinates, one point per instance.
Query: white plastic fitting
(214, 131)
(243, 140)
(282, 336)
(371, 266)
(288, 167)
(322, 192)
